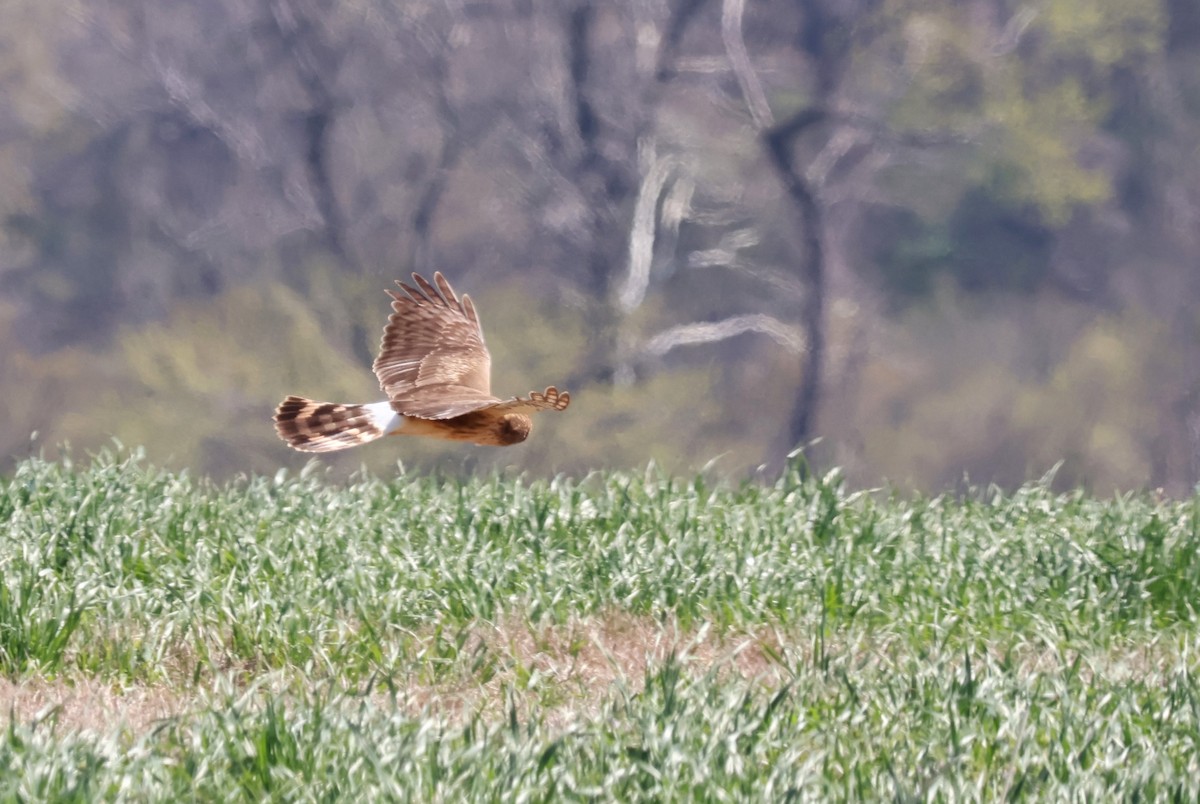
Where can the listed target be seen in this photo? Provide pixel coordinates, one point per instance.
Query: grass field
(619, 637)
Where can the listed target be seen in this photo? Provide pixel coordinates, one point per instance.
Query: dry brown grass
(564, 671)
(568, 669)
(83, 704)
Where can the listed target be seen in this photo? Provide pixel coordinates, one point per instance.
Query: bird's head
(513, 428)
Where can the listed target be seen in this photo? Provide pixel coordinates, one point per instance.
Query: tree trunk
(778, 142)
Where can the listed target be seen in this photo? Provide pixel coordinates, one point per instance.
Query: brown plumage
(323, 426)
(436, 371)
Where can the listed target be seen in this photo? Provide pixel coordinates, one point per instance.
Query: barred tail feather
(311, 426)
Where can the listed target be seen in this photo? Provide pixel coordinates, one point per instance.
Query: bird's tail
(326, 426)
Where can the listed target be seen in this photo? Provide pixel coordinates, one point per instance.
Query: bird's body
(435, 369)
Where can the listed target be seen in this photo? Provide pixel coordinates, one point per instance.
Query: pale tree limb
(632, 291)
(642, 236)
(789, 287)
(1014, 30)
(596, 154)
(739, 61)
(677, 205)
(186, 95)
(841, 143)
(786, 335)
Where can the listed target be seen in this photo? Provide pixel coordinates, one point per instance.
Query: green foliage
(976, 725)
(1032, 644)
(1094, 407)
(1035, 160)
(1033, 94)
(1107, 33)
(984, 247)
(199, 387)
(268, 572)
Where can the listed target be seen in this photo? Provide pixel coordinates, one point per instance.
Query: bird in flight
(435, 369)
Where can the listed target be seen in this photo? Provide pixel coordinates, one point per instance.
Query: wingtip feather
(447, 292)
(429, 290)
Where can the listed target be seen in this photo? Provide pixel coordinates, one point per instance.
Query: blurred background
(944, 239)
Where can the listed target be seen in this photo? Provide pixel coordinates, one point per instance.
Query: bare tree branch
(643, 230)
(187, 96)
(843, 141)
(300, 42)
(1014, 29)
(596, 149)
(681, 15)
(786, 335)
(881, 132)
(778, 138)
(726, 256)
(812, 270)
(739, 61)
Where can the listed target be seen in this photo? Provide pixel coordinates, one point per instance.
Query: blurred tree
(804, 209)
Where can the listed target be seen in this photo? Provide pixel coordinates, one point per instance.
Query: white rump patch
(384, 417)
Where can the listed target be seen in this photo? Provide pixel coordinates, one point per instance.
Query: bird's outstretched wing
(441, 401)
(550, 399)
(433, 362)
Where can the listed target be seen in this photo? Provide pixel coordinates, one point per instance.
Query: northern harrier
(435, 368)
